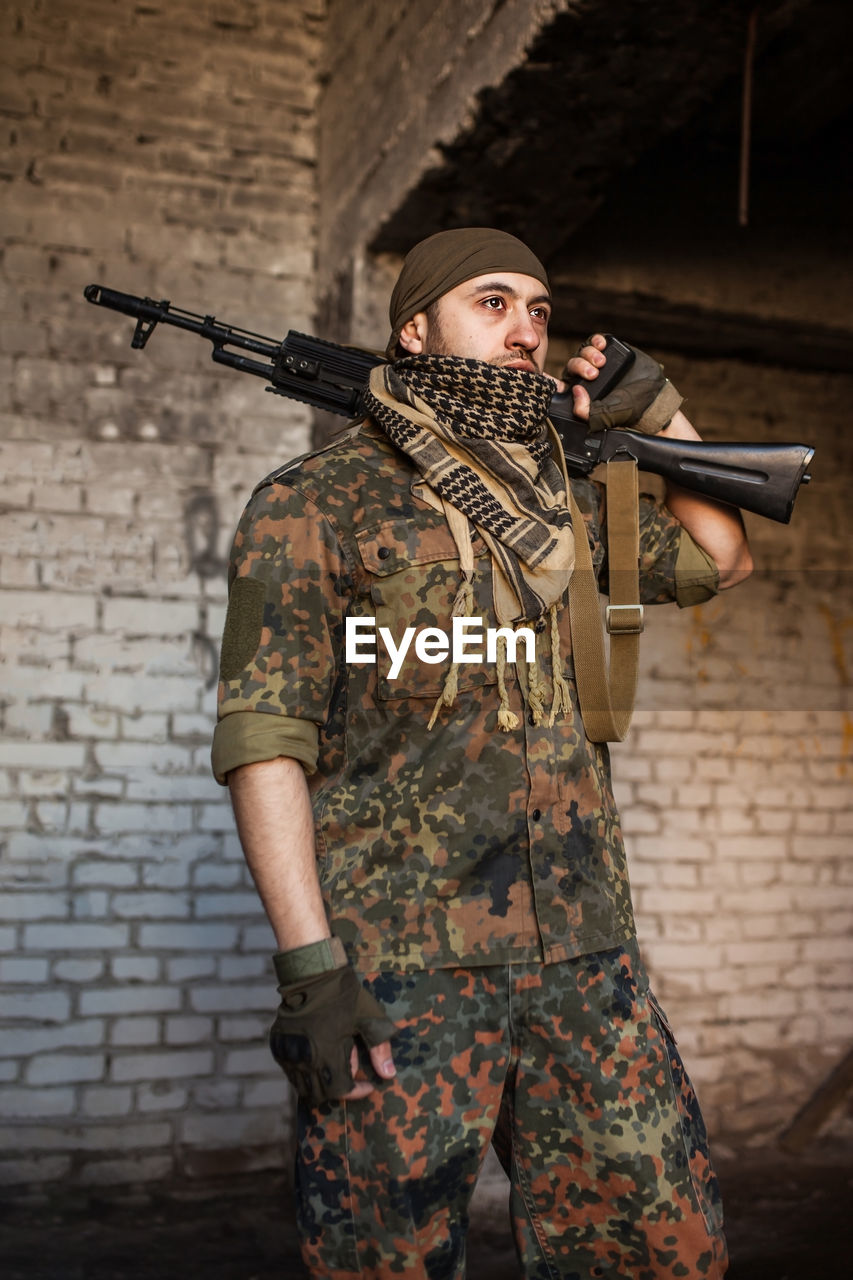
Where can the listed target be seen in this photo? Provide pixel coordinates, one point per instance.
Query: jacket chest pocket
(414, 581)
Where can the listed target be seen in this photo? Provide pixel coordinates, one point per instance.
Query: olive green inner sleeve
(697, 577)
(247, 737)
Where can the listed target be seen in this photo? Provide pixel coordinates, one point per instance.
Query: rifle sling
(607, 694)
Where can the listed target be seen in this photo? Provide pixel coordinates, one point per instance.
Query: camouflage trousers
(570, 1069)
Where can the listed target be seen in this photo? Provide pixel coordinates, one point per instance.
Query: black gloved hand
(318, 1018)
(643, 399)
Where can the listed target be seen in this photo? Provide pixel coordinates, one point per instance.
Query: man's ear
(413, 334)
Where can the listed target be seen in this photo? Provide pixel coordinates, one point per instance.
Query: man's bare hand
(588, 359)
(585, 363)
(382, 1063)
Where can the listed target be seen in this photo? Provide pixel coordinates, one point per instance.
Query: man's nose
(522, 333)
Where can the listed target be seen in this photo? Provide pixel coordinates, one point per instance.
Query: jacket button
(384, 553)
(536, 815)
(540, 626)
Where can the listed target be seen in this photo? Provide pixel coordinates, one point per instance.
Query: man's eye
(541, 313)
(493, 304)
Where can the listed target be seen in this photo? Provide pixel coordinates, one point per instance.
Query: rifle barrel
(154, 313)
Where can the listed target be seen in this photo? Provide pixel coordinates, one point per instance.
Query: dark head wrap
(449, 258)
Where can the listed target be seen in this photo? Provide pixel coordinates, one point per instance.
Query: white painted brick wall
(128, 926)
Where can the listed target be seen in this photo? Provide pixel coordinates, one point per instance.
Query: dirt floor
(788, 1219)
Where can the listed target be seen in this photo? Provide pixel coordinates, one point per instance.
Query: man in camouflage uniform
(432, 833)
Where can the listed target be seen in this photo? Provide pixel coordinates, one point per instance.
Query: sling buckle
(624, 619)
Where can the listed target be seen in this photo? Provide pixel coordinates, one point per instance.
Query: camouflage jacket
(456, 845)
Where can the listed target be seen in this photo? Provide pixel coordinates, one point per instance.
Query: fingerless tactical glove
(319, 1016)
(643, 399)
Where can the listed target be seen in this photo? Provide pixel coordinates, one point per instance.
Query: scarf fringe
(507, 719)
(562, 700)
(535, 692)
(462, 606)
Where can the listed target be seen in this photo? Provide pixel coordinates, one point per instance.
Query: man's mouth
(520, 364)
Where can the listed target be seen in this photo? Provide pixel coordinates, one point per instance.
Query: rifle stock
(762, 478)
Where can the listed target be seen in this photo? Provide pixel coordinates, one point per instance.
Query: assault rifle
(763, 478)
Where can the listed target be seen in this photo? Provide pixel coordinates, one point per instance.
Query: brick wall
(166, 150)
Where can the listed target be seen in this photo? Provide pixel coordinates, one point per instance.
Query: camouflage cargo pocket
(415, 579)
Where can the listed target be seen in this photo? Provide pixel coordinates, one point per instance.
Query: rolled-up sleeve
(247, 737)
(289, 589)
(697, 577)
(672, 565)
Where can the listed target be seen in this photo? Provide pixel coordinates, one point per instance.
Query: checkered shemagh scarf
(479, 436)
